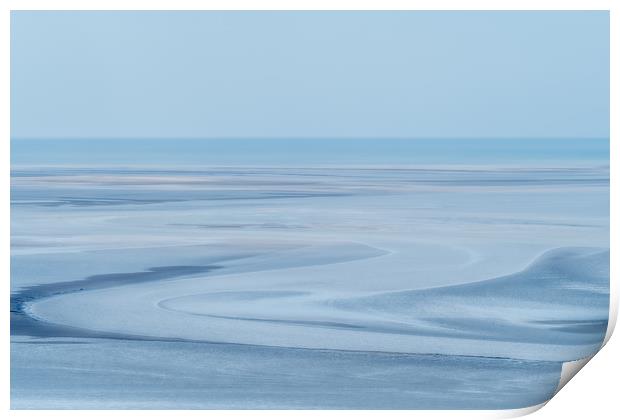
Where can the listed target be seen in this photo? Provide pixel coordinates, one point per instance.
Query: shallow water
(388, 275)
(123, 374)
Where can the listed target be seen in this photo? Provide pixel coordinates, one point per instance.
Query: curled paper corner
(570, 369)
(519, 412)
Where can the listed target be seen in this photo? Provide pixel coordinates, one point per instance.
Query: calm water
(307, 151)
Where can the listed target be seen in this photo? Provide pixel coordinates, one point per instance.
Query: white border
(611, 5)
(310, 5)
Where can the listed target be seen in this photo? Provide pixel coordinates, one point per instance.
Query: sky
(309, 74)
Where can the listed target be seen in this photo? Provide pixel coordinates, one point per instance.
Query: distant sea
(301, 151)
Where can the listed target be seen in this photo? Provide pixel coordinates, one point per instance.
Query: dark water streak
(24, 325)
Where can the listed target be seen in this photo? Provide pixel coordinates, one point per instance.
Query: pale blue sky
(309, 74)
